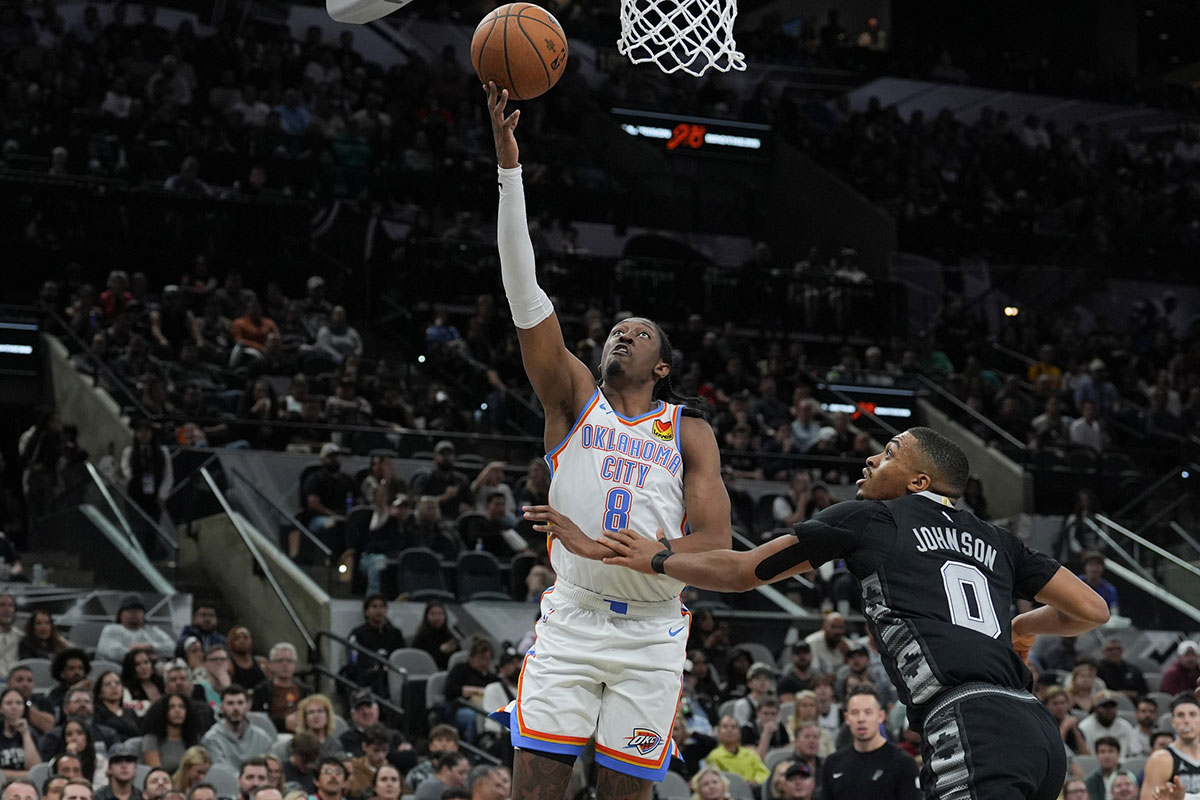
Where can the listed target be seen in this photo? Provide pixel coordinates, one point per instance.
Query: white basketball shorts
(604, 667)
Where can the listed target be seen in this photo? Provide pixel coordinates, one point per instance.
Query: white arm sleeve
(528, 302)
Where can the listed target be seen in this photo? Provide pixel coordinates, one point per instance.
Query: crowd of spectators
(198, 715)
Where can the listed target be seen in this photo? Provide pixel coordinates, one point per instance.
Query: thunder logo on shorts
(644, 740)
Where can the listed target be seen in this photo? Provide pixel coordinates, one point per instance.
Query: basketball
(522, 48)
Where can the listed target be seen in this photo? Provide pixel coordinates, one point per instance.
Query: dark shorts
(990, 746)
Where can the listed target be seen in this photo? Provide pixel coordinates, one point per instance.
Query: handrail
(1166, 478)
(135, 401)
(180, 485)
(1144, 542)
(258, 558)
(312, 537)
(158, 527)
(1183, 534)
(1019, 356)
(102, 485)
(972, 412)
(371, 654)
(479, 754)
(1154, 590)
(384, 702)
(1103, 534)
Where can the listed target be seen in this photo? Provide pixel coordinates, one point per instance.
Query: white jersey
(612, 472)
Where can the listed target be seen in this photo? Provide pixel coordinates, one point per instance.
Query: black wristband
(666, 543)
(659, 562)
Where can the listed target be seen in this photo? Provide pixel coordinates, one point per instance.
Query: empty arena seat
(518, 572)
(478, 577)
(673, 786)
(738, 788)
(262, 721)
(416, 663)
(419, 575)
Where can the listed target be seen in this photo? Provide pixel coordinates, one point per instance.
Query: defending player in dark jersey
(1175, 772)
(937, 585)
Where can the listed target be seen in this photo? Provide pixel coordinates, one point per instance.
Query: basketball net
(688, 35)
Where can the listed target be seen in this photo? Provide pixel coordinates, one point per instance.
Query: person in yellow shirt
(730, 756)
(1045, 366)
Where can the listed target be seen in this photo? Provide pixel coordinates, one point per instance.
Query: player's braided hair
(664, 389)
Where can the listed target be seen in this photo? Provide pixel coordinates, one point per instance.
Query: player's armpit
(1079, 608)
(704, 495)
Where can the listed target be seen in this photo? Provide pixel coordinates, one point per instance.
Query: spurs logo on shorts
(644, 740)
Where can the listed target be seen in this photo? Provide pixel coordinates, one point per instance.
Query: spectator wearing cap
(346, 406)
(1098, 388)
(451, 487)
(499, 693)
(760, 684)
(375, 635)
(1182, 676)
(800, 673)
(730, 756)
(799, 782)
(131, 631)
(1093, 576)
(328, 494)
(122, 770)
(861, 664)
(1117, 673)
(279, 695)
(148, 475)
(829, 644)
(364, 715)
(1104, 722)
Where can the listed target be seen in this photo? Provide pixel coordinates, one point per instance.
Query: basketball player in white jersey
(610, 647)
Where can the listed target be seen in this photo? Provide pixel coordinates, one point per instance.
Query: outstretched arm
(561, 381)
(718, 570)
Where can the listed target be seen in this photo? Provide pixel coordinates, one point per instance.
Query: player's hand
(507, 154)
(632, 550)
(1022, 644)
(1169, 791)
(546, 520)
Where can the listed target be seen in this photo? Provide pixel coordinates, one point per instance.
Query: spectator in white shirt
(130, 631)
(829, 644)
(1087, 431)
(1105, 722)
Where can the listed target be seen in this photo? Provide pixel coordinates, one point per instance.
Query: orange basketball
(522, 48)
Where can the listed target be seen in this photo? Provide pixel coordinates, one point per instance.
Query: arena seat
(758, 652)
(478, 577)
(738, 788)
(435, 690)
(38, 773)
(416, 663)
(1088, 764)
(262, 720)
(41, 672)
(518, 572)
(673, 786)
(419, 573)
(778, 756)
(1134, 764)
(223, 779)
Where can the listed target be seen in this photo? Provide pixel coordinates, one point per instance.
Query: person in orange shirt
(250, 332)
(1045, 367)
